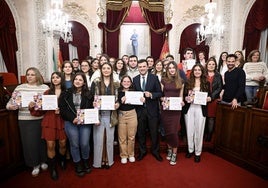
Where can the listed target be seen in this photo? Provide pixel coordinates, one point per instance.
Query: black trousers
(144, 121)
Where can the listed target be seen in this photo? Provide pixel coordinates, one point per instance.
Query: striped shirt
(24, 113)
(255, 69)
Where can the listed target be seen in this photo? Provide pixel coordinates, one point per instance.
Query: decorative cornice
(75, 10)
(194, 13)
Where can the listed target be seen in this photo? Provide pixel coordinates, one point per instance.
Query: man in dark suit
(149, 112)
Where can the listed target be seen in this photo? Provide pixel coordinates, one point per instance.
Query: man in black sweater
(235, 81)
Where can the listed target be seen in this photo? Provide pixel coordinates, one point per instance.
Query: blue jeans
(251, 92)
(78, 136)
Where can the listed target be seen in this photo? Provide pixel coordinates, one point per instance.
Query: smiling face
(171, 69)
(85, 67)
(106, 70)
(67, 69)
(231, 63)
(158, 66)
(197, 72)
(211, 66)
(126, 82)
(119, 64)
(78, 81)
(143, 68)
(256, 57)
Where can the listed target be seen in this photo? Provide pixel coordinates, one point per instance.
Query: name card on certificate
(200, 97)
(106, 102)
(172, 103)
(88, 116)
(134, 97)
(49, 102)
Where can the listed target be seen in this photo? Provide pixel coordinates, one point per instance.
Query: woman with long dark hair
(172, 86)
(103, 133)
(195, 114)
(75, 98)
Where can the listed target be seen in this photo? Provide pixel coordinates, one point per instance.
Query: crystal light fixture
(210, 27)
(56, 22)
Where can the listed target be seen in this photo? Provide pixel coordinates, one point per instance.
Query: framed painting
(134, 39)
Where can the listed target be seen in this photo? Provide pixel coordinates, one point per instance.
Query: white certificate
(200, 97)
(91, 116)
(26, 98)
(107, 102)
(49, 102)
(190, 63)
(134, 97)
(175, 103)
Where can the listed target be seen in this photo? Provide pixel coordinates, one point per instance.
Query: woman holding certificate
(172, 86)
(33, 146)
(128, 122)
(103, 133)
(196, 94)
(53, 127)
(76, 98)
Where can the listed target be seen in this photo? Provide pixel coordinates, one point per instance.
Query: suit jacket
(153, 86)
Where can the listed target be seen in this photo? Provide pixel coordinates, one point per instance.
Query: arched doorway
(188, 40)
(80, 42)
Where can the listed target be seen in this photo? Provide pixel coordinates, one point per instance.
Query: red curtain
(8, 39)
(188, 40)
(257, 21)
(154, 16)
(80, 40)
(116, 13)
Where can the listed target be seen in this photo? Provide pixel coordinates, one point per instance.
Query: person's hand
(182, 103)
(142, 99)
(75, 121)
(148, 94)
(116, 105)
(123, 100)
(234, 103)
(57, 111)
(13, 107)
(208, 99)
(31, 105)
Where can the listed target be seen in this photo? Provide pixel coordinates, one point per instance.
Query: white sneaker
(44, 166)
(124, 160)
(132, 159)
(36, 171)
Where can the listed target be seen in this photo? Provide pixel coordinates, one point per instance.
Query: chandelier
(56, 22)
(210, 27)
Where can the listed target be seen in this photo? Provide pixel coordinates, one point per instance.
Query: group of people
(77, 84)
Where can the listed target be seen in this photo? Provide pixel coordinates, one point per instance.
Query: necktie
(143, 83)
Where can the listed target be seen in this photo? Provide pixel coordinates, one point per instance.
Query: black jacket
(66, 105)
(186, 107)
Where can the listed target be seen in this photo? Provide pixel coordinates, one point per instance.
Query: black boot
(62, 161)
(79, 169)
(52, 168)
(87, 166)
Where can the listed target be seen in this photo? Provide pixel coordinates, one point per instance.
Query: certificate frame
(200, 97)
(49, 102)
(133, 97)
(105, 102)
(172, 103)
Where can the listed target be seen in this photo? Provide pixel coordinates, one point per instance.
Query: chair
(9, 78)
